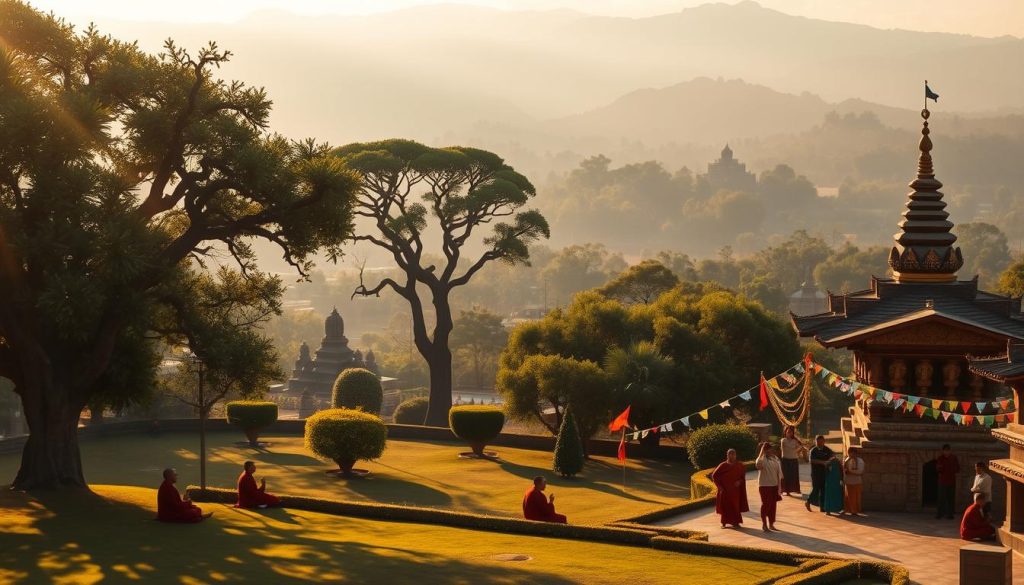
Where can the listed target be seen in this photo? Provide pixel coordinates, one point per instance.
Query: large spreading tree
(122, 176)
(411, 192)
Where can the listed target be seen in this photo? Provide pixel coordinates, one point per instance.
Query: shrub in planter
(706, 446)
(412, 411)
(345, 436)
(476, 425)
(569, 448)
(252, 416)
(358, 388)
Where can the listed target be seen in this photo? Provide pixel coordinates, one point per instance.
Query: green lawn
(410, 472)
(110, 537)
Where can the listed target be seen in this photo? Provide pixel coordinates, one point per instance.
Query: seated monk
(974, 526)
(250, 496)
(169, 505)
(537, 507)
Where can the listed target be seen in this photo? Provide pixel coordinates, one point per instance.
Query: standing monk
(250, 496)
(946, 467)
(537, 507)
(730, 479)
(169, 505)
(853, 469)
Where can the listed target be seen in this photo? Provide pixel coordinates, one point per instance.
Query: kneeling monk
(974, 526)
(169, 505)
(250, 496)
(537, 507)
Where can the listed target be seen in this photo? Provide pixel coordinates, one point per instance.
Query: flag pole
(623, 440)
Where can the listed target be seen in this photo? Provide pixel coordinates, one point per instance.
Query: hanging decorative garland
(798, 409)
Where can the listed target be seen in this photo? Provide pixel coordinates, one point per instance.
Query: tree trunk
(51, 457)
(439, 360)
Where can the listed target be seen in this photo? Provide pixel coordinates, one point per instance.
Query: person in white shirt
(983, 485)
(792, 448)
(769, 477)
(853, 469)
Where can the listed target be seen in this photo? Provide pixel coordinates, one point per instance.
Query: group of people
(835, 485)
(171, 507)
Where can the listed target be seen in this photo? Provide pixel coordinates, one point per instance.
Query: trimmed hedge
(477, 425)
(251, 416)
(442, 517)
(706, 446)
(412, 411)
(358, 388)
(345, 436)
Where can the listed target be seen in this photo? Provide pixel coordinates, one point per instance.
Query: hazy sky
(978, 17)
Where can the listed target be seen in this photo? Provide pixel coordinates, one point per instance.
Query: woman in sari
(833, 498)
(730, 478)
(791, 447)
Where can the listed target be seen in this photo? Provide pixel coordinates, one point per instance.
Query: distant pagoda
(729, 174)
(317, 374)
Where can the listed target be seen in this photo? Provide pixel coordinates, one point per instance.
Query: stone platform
(930, 548)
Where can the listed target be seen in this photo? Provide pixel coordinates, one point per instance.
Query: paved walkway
(928, 547)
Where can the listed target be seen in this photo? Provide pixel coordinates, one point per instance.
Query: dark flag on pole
(929, 94)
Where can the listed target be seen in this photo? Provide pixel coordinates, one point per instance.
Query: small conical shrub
(569, 447)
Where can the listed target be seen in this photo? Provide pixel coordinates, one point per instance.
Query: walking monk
(169, 505)
(250, 496)
(537, 507)
(730, 478)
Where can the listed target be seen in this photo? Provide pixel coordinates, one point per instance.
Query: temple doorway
(929, 484)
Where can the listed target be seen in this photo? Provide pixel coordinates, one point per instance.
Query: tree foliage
(122, 174)
(691, 347)
(477, 339)
(462, 191)
(569, 456)
(641, 283)
(358, 388)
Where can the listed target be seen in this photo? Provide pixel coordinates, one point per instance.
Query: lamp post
(197, 363)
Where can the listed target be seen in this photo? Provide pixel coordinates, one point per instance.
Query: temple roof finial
(924, 250)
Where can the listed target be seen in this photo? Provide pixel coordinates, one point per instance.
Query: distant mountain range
(435, 73)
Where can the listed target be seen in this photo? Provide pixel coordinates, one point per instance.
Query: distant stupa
(317, 374)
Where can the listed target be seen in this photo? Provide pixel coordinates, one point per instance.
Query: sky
(976, 17)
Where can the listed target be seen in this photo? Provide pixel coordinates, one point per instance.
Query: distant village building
(808, 299)
(316, 375)
(728, 174)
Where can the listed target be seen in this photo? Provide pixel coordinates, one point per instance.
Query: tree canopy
(408, 189)
(123, 176)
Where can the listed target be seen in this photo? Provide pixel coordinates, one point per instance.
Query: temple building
(316, 375)
(728, 174)
(1008, 368)
(914, 334)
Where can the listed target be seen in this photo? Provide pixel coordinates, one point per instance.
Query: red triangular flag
(764, 393)
(968, 419)
(620, 421)
(966, 406)
(622, 446)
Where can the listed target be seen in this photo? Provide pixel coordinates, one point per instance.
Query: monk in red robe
(974, 526)
(170, 507)
(250, 496)
(537, 507)
(730, 478)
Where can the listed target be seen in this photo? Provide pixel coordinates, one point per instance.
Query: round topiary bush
(707, 445)
(476, 425)
(358, 388)
(345, 436)
(412, 411)
(252, 416)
